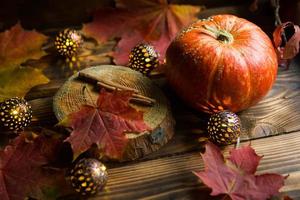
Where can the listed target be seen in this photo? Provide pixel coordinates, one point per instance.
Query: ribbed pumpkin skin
(213, 75)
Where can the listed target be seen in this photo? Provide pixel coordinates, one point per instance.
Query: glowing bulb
(97, 171)
(14, 112)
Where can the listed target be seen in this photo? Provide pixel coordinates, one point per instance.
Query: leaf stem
(85, 88)
(276, 10)
(238, 142)
(225, 197)
(276, 5)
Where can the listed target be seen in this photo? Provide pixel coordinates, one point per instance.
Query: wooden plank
(42, 112)
(171, 177)
(46, 90)
(278, 113)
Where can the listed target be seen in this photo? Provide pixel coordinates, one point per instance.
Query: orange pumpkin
(221, 63)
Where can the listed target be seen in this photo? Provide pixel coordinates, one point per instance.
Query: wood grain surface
(172, 178)
(272, 125)
(76, 92)
(275, 114)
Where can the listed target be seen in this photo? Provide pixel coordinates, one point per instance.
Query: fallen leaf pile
(235, 175)
(286, 40)
(153, 21)
(22, 171)
(105, 124)
(16, 47)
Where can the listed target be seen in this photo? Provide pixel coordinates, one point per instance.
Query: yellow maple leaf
(17, 46)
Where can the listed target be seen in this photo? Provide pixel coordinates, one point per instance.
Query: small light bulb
(14, 112)
(97, 171)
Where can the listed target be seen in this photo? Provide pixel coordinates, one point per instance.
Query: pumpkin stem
(220, 35)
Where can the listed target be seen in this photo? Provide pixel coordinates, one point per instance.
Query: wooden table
(272, 127)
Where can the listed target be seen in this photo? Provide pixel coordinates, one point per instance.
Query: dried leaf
(90, 54)
(245, 159)
(155, 22)
(105, 125)
(19, 80)
(16, 47)
(21, 168)
(235, 175)
(286, 40)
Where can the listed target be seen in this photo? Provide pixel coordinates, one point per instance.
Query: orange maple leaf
(152, 21)
(16, 47)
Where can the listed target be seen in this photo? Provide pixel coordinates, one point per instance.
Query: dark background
(48, 14)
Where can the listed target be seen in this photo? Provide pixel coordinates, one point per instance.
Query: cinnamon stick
(136, 97)
(142, 101)
(97, 80)
(106, 86)
(116, 87)
(144, 97)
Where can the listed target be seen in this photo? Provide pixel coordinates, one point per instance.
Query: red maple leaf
(21, 167)
(235, 176)
(286, 40)
(152, 21)
(106, 124)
